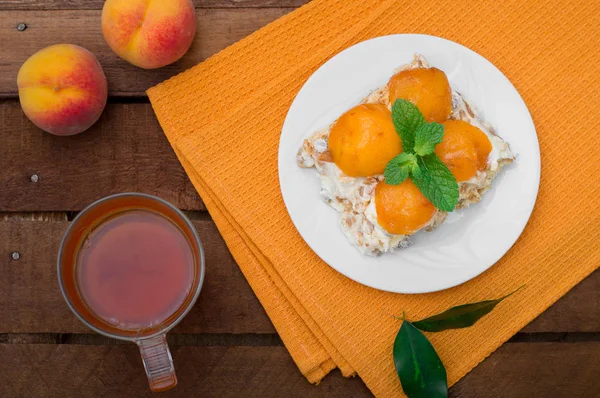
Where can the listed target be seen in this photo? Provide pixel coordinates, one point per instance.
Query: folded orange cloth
(224, 116)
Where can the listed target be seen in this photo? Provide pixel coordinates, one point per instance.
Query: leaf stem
(396, 317)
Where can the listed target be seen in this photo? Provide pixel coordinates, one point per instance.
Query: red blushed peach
(62, 89)
(149, 34)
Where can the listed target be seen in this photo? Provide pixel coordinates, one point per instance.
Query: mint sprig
(426, 170)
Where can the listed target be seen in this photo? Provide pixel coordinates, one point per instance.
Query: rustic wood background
(226, 347)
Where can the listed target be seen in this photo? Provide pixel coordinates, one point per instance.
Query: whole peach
(149, 34)
(62, 89)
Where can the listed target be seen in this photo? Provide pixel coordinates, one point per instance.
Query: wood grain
(125, 151)
(516, 370)
(577, 311)
(217, 29)
(521, 370)
(97, 4)
(117, 371)
(31, 302)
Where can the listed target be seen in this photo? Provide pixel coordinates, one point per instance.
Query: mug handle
(158, 363)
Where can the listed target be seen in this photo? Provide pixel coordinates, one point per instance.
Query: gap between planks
(193, 215)
(113, 98)
(248, 339)
(200, 7)
(38, 216)
(66, 5)
(194, 340)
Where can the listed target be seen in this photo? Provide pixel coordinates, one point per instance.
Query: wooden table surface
(226, 346)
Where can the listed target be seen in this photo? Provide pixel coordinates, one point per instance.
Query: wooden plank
(97, 4)
(31, 302)
(577, 311)
(526, 370)
(217, 29)
(515, 370)
(125, 151)
(117, 371)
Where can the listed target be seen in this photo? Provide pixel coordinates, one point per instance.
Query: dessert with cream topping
(377, 213)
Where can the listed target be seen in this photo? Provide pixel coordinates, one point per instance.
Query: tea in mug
(135, 269)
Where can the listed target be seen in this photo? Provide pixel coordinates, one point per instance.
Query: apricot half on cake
(427, 88)
(464, 149)
(402, 209)
(363, 140)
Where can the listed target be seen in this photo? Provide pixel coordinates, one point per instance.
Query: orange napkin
(224, 116)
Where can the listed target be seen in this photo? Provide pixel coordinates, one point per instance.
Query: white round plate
(471, 240)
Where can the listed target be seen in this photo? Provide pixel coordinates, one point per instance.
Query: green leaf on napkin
(421, 372)
(461, 316)
(419, 367)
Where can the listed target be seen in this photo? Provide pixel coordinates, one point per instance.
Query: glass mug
(131, 266)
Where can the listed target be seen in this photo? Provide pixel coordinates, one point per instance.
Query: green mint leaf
(395, 175)
(397, 169)
(418, 366)
(427, 136)
(407, 119)
(436, 182)
(461, 316)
